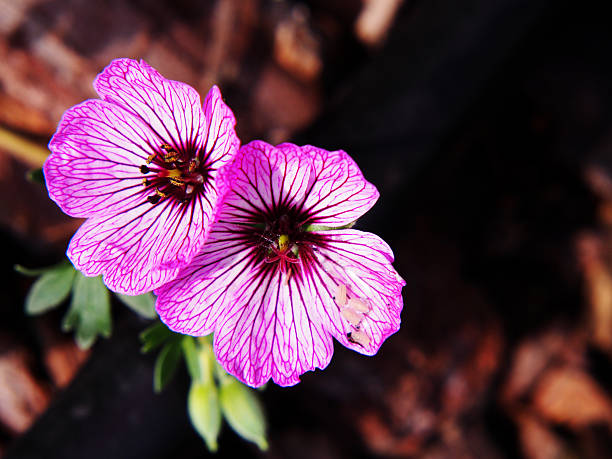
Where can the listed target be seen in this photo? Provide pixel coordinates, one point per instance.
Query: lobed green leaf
(143, 305)
(154, 336)
(166, 364)
(89, 311)
(51, 289)
(35, 272)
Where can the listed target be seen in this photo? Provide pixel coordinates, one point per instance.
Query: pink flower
(274, 283)
(141, 164)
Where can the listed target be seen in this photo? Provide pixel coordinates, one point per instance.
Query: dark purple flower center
(280, 241)
(175, 174)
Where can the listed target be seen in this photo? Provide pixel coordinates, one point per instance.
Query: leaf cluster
(89, 313)
(214, 395)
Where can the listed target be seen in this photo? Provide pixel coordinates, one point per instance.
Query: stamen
(160, 193)
(145, 182)
(150, 158)
(176, 181)
(193, 164)
(170, 155)
(144, 169)
(153, 199)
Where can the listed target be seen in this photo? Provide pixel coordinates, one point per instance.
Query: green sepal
(205, 412)
(328, 228)
(143, 305)
(243, 411)
(154, 336)
(50, 289)
(166, 364)
(191, 354)
(89, 311)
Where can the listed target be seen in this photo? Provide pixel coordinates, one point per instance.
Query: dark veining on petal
(279, 240)
(179, 174)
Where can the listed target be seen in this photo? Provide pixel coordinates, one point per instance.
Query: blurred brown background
(487, 126)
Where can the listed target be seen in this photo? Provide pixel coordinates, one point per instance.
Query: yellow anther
(150, 158)
(174, 173)
(283, 241)
(170, 154)
(171, 157)
(176, 181)
(160, 193)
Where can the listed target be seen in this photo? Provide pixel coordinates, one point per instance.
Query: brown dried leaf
(570, 396)
(537, 440)
(61, 355)
(22, 397)
(382, 441)
(375, 19)
(296, 48)
(598, 284)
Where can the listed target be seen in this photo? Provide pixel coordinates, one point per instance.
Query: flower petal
(142, 247)
(93, 169)
(360, 263)
(339, 194)
(171, 108)
(269, 332)
(263, 327)
(192, 303)
(264, 177)
(221, 142)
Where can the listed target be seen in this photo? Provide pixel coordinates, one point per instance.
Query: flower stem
(24, 150)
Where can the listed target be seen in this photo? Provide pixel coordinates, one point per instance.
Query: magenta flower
(274, 282)
(142, 165)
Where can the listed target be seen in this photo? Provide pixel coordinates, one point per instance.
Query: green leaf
(50, 289)
(36, 176)
(38, 271)
(166, 364)
(243, 411)
(89, 311)
(154, 336)
(204, 411)
(143, 305)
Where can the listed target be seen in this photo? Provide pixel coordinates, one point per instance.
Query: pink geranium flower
(141, 164)
(274, 282)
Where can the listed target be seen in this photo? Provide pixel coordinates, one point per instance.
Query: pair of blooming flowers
(250, 243)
